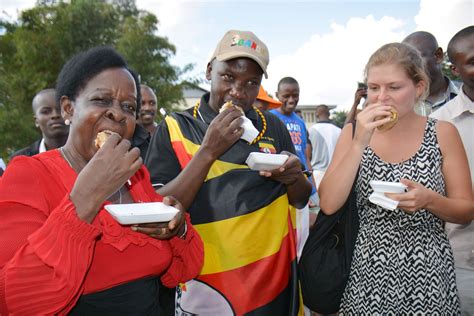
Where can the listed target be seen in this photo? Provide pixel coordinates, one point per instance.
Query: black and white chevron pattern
(402, 264)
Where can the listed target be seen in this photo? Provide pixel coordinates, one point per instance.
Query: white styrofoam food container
(261, 161)
(387, 187)
(379, 198)
(139, 213)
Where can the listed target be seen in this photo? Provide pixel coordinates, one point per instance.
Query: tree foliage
(339, 117)
(34, 48)
(446, 68)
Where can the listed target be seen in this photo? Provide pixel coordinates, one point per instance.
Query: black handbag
(325, 261)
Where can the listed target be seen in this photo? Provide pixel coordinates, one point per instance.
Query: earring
(67, 122)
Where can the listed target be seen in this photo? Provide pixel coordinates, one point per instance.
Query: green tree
(34, 48)
(339, 117)
(446, 68)
(149, 55)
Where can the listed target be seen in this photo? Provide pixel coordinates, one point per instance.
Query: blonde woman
(402, 262)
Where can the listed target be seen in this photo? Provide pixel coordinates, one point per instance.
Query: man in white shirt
(441, 88)
(460, 112)
(323, 136)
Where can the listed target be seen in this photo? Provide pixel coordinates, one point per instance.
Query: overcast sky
(322, 44)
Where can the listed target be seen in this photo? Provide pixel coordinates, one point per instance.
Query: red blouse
(49, 257)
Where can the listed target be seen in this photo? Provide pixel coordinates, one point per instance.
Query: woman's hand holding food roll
(104, 174)
(165, 230)
(373, 116)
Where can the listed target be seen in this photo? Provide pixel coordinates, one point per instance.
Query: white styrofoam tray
(387, 187)
(139, 213)
(262, 161)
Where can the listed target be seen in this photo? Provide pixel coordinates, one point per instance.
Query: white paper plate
(387, 187)
(261, 161)
(139, 213)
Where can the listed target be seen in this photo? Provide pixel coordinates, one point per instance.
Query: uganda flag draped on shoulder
(247, 226)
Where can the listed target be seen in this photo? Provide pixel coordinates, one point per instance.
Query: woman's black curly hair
(84, 66)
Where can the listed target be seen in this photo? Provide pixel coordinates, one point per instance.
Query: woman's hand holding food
(417, 196)
(110, 167)
(223, 132)
(373, 116)
(165, 230)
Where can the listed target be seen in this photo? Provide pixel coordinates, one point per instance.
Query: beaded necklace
(262, 117)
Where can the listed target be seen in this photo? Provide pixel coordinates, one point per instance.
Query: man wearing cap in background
(245, 218)
(264, 102)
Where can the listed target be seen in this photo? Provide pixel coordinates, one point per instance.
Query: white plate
(387, 187)
(139, 213)
(261, 161)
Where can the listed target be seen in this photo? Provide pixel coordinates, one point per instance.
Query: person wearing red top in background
(61, 252)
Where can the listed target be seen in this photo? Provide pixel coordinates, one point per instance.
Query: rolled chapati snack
(391, 123)
(102, 138)
(228, 105)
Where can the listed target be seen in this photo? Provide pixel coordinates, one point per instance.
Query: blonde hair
(405, 56)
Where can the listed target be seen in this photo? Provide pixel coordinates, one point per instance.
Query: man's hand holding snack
(289, 173)
(223, 131)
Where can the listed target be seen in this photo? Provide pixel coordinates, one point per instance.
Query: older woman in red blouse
(60, 251)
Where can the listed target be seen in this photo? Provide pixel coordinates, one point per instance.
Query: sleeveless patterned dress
(403, 263)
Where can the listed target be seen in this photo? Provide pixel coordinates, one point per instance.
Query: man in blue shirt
(288, 94)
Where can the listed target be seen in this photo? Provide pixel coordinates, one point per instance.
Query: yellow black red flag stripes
(259, 295)
(245, 222)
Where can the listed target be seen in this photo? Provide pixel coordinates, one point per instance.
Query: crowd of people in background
(232, 247)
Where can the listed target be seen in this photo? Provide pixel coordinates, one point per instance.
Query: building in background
(308, 112)
(191, 95)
